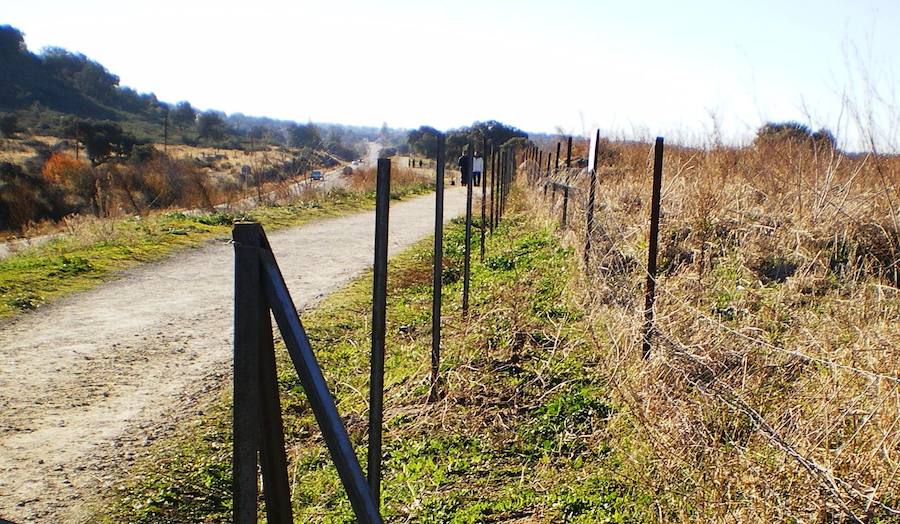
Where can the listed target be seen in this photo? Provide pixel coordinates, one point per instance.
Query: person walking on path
(463, 165)
(477, 168)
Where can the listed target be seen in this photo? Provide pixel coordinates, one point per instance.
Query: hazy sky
(631, 67)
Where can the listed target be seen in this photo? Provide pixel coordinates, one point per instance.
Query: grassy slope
(518, 435)
(96, 249)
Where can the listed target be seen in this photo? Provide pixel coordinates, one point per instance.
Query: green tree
(257, 133)
(794, 132)
(184, 115)
(82, 74)
(102, 141)
(424, 141)
(12, 41)
(494, 133)
(211, 126)
(304, 136)
(9, 125)
(783, 131)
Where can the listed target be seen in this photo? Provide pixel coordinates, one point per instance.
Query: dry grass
(183, 178)
(772, 390)
(363, 179)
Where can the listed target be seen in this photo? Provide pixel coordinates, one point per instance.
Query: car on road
(317, 175)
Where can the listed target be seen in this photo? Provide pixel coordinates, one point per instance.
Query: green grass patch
(95, 249)
(518, 431)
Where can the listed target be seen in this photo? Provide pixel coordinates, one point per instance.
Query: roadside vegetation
(520, 429)
(770, 393)
(90, 250)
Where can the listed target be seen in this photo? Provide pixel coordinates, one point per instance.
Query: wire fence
(703, 363)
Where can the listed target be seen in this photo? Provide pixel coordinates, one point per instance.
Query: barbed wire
(833, 485)
(726, 394)
(682, 304)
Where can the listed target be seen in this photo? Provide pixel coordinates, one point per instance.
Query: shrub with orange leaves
(60, 167)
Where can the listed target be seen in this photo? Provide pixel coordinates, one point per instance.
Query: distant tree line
(43, 92)
(424, 140)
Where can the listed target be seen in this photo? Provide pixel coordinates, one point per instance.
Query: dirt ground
(86, 382)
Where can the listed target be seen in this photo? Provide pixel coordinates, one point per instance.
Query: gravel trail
(88, 381)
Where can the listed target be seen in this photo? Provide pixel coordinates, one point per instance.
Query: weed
(473, 456)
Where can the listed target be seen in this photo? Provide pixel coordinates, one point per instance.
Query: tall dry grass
(363, 179)
(772, 390)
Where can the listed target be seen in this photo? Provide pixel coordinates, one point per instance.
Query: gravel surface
(87, 382)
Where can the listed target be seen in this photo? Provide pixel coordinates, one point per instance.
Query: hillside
(48, 90)
(56, 82)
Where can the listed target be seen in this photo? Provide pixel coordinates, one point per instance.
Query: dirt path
(87, 381)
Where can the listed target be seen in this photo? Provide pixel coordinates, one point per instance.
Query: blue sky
(635, 69)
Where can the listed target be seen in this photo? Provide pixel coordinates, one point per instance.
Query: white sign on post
(592, 154)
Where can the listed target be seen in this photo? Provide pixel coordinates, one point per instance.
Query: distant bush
(795, 132)
(75, 178)
(25, 198)
(9, 125)
(143, 153)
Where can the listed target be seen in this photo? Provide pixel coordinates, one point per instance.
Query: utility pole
(166, 133)
(76, 138)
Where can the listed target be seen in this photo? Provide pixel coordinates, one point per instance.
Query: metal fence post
(493, 171)
(248, 302)
(589, 220)
(437, 277)
(316, 389)
(257, 409)
(540, 164)
(379, 307)
(501, 166)
(652, 250)
(272, 456)
(569, 153)
(467, 253)
(547, 173)
(565, 207)
(483, 195)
